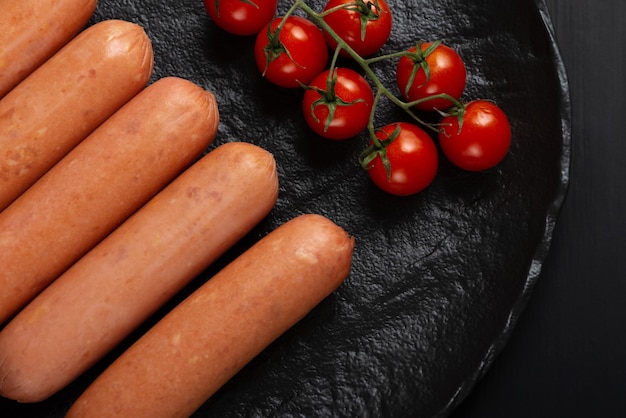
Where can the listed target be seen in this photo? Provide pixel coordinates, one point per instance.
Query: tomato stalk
(378, 149)
(363, 63)
(385, 57)
(333, 65)
(370, 125)
(329, 97)
(455, 105)
(275, 47)
(419, 59)
(457, 110)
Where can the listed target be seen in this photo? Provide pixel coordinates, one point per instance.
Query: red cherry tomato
(365, 25)
(294, 54)
(342, 110)
(241, 17)
(412, 159)
(483, 140)
(431, 72)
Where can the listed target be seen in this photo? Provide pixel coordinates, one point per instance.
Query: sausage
(100, 183)
(65, 99)
(198, 346)
(110, 291)
(31, 33)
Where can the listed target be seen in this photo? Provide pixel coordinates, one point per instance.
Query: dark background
(567, 355)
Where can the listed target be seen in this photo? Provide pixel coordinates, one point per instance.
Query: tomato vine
(366, 66)
(430, 76)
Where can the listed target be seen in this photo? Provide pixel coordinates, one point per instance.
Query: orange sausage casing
(111, 290)
(198, 346)
(65, 99)
(100, 183)
(33, 31)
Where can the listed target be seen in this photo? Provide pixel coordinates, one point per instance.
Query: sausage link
(33, 31)
(198, 346)
(68, 97)
(100, 183)
(110, 291)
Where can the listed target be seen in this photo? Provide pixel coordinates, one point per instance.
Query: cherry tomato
(365, 25)
(341, 110)
(483, 140)
(411, 155)
(241, 17)
(293, 54)
(437, 69)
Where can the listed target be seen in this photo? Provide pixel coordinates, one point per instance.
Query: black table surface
(567, 355)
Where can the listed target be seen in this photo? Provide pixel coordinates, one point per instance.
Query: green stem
(454, 102)
(364, 64)
(332, 10)
(370, 123)
(330, 82)
(297, 4)
(385, 57)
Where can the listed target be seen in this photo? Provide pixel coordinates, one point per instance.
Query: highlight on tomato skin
(412, 156)
(292, 51)
(365, 25)
(435, 69)
(293, 55)
(483, 140)
(341, 110)
(241, 17)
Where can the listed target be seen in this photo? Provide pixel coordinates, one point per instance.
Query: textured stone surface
(439, 278)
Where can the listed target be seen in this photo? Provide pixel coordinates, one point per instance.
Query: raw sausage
(105, 179)
(65, 99)
(33, 31)
(188, 355)
(136, 269)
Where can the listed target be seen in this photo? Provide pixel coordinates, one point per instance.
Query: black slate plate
(439, 279)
